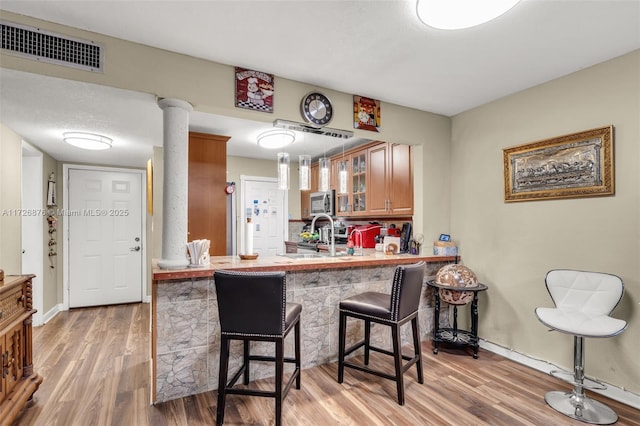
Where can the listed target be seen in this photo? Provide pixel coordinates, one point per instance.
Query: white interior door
(105, 237)
(266, 205)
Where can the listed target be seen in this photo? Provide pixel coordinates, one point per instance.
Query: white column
(175, 183)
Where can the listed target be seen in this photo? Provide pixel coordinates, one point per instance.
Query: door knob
(136, 248)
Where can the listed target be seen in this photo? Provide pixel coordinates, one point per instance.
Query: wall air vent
(44, 46)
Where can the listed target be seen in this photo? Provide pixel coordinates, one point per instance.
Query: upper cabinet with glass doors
(359, 182)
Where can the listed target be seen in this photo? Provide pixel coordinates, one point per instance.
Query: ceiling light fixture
(275, 139)
(459, 14)
(90, 141)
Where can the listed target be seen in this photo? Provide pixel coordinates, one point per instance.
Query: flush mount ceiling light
(459, 14)
(87, 140)
(276, 138)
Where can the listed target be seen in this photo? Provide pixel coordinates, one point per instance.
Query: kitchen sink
(308, 245)
(311, 255)
(304, 255)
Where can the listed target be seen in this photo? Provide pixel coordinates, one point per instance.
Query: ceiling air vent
(34, 43)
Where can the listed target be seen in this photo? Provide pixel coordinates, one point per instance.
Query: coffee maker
(405, 237)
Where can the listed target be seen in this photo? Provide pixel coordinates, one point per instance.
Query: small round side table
(452, 335)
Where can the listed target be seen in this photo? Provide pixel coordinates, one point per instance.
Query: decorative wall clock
(316, 109)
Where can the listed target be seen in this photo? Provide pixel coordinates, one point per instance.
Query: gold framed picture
(569, 166)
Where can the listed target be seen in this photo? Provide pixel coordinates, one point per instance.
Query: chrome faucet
(332, 247)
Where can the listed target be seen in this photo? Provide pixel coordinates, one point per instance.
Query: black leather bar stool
(394, 310)
(253, 307)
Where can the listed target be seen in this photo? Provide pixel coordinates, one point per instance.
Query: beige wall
(52, 264)
(11, 225)
(511, 246)
(10, 199)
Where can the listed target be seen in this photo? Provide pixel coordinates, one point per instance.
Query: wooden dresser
(18, 381)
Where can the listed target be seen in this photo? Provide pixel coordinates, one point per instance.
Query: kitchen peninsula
(185, 329)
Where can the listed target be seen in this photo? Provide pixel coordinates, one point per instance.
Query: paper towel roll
(248, 242)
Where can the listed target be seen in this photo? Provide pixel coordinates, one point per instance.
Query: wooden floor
(95, 364)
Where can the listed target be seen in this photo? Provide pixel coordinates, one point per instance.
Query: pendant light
(305, 172)
(304, 169)
(283, 170)
(323, 173)
(343, 174)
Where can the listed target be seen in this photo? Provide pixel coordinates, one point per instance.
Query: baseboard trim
(612, 391)
(48, 316)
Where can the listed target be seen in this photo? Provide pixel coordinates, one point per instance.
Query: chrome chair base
(581, 408)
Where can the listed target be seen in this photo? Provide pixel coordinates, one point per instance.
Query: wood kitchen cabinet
(378, 178)
(400, 182)
(380, 182)
(359, 183)
(207, 205)
(390, 173)
(18, 381)
(354, 201)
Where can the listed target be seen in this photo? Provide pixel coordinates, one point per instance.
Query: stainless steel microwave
(323, 202)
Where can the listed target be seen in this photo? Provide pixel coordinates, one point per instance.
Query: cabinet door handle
(5, 365)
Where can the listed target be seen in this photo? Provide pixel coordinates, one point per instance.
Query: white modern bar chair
(584, 301)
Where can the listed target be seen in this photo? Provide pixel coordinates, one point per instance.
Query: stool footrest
(406, 366)
(370, 371)
(269, 358)
(587, 383)
(373, 348)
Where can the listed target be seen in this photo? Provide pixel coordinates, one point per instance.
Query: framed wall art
(575, 165)
(254, 90)
(366, 113)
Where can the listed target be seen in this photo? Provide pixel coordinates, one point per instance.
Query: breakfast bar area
(185, 324)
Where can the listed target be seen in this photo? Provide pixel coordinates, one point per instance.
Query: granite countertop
(370, 257)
